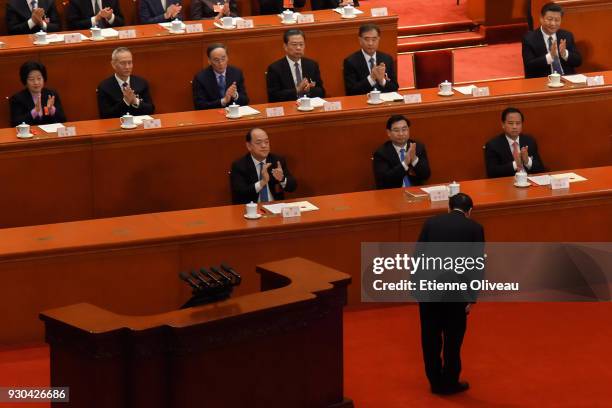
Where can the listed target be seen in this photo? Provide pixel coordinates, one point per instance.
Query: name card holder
(72, 38)
(559, 183)
(126, 34)
(66, 131)
(481, 91)
(151, 123)
(194, 28)
(332, 106)
(595, 80)
(380, 12)
(439, 194)
(275, 112)
(413, 98)
(290, 211)
(244, 24)
(305, 18)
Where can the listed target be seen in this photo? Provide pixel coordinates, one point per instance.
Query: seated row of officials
(29, 16)
(262, 176)
(219, 84)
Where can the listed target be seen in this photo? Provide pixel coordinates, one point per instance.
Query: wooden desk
(108, 172)
(129, 265)
(169, 61)
(215, 355)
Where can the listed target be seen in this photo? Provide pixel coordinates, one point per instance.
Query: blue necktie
(34, 4)
(372, 64)
(406, 182)
(221, 84)
(556, 62)
(263, 193)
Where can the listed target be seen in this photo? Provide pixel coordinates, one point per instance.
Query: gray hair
(119, 50)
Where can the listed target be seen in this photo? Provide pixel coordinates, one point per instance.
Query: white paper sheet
(544, 180)
(278, 208)
(391, 97)
(109, 32)
(168, 25)
(51, 128)
(317, 102)
(247, 110)
(60, 37)
(466, 90)
(428, 190)
(340, 10)
(139, 119)
(575, 79)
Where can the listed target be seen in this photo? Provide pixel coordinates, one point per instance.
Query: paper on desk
(60, 37)
(340, 10)
(544, 179)
(317, 102)
(466, 90)
(139, 119)
(247, 110)
(575, 79)
(168, 25)
(109, 32)
(51, 128)
(278, 208)
(391, 97)
(428, 190)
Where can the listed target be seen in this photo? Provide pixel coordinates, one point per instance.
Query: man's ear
(469, 212)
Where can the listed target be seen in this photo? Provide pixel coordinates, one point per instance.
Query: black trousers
(442, 330)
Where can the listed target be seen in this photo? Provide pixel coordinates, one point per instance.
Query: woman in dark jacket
(35, 105)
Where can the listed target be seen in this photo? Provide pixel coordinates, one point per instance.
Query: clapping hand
(278, 173)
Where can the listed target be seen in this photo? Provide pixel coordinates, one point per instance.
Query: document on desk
(544, 180)
(278, 208)
(139, 119)
(247, 111)
(429, 190)
(317, 102)
(52, 38)
(575, 79)
(109, 32)
(340, 10)
(391, 97)
(466, 90)
(51, 128)
(168, 25)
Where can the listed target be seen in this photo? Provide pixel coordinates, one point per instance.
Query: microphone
(229, 269)
(186, 278)
(206, 273)
(218, 272)
(199, 277)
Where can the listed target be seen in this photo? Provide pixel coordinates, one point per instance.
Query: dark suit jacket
(202, 9)
(328, 4)
(18, 13)
(152, 12)
(80, 12)
(451, 227)
(206, 92)
(534, 54)
(356, 74)
(498, 156)
(389, 172)
(21, 105)
(244, 176)
(276, 6)
(110, 98)
(280, 80)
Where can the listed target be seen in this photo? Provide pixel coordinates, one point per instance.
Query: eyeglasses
(218, 60)
(400, 130)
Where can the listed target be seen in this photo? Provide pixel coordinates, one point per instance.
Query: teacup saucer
(41, 42)
(305, 109)
(446, 94)
(253, 217)
(28, 136)
(353, 16)
(224, 27)
(129, 126)
(559, 85)
(176, 32)
(527, 184)
(375, 102)
(294, 21)
(227, 115)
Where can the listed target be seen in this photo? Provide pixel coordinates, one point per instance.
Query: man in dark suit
(159, 11)
(219, 84)
(369, 68)
(443, 323)
(294, 76)
(400, 161)
(123, 92)
(330, 4)
(205, 9)
(277, 6)
(511, 151)
(260, 176)
(84, 14)
(550, 49)
(30, 16)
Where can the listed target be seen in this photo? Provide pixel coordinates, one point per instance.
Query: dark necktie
(556, 62)
(406, 181)
(34, 4)
(372, 64)
(221, 85)
(298, 74)
(96, 8)
(263, 193)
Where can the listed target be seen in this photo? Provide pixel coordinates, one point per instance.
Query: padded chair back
(432, 67)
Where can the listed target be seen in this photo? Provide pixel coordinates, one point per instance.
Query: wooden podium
(281, 347)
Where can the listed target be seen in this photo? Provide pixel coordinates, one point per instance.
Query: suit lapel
(392, 154)
(287, 73)
(210, 82)
(23, 8)
(362, 65)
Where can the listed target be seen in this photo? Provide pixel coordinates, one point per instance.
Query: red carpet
(514, 355)
(417, 12)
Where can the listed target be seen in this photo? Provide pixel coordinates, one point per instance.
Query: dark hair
(555, 8)
(510, 110)
(291, 32)
(249, 135)
(396, 118)
(460, 201)
(213, 47)
(364, 28)
(30, 66)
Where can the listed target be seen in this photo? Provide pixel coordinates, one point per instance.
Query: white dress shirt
(511, 143)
